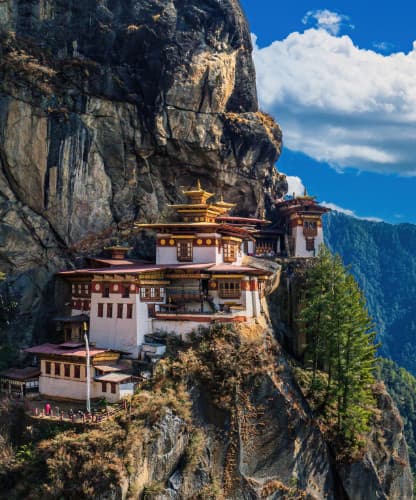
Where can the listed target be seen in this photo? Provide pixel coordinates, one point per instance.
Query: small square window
(126, 292)
(106, 291)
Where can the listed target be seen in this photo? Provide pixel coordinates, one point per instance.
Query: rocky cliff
(223, 418)
(107, 108)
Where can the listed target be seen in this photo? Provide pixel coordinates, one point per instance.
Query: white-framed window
(229, 289)
(151, 293)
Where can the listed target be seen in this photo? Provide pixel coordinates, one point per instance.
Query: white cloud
(384, 46)
(295, 185)
(349, 212)
(326, 19)
(339, 103)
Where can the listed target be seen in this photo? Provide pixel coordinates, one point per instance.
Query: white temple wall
(115, 333)
(108, 395)
(167, 255)
(319, 240)
(143, 324)
(63, 388)
(300, 242)
(77, 389)
(255, 297)
(247, 301)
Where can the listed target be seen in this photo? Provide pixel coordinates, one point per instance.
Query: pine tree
(340, 343)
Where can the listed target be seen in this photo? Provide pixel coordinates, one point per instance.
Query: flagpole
(88, 369)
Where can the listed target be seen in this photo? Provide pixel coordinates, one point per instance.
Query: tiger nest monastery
(208, 269)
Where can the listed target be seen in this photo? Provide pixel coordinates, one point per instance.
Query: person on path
(47, 409)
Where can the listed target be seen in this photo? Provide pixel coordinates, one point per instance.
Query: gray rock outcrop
(107, 109)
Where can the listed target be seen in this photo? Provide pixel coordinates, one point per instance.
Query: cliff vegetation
(222, 418)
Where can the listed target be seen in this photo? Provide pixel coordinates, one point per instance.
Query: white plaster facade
(71, 388)
(300, 242)
(167, 254)
(123, 334)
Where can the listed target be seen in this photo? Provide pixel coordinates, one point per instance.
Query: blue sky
(340, 78)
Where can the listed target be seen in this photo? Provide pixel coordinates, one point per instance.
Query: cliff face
(384, 469)
(107, 108)
(223, 418)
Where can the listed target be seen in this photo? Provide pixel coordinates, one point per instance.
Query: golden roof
(305, 196)
(198, 195)
(224, 204)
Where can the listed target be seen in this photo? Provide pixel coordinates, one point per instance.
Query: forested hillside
(382, 258)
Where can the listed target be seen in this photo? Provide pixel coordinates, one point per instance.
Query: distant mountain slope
(383, 259)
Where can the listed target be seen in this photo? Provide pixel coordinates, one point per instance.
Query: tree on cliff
(340, 345)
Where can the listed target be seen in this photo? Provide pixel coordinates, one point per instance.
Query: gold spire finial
(198, 185)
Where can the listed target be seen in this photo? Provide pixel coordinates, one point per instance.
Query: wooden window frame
(310, 244)
(120, 311)
(109, 310)
(103, 386)
(229, 289)
(67, 370)
(100, 311)
(184, 250)
(106, 291)
(113, 388)
(229, 251)
(48, 367)
(125, 292)
(129, 312)
(57, 369)
(310, 228)
(77, 371)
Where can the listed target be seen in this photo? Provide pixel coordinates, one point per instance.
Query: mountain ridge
(382, 260)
